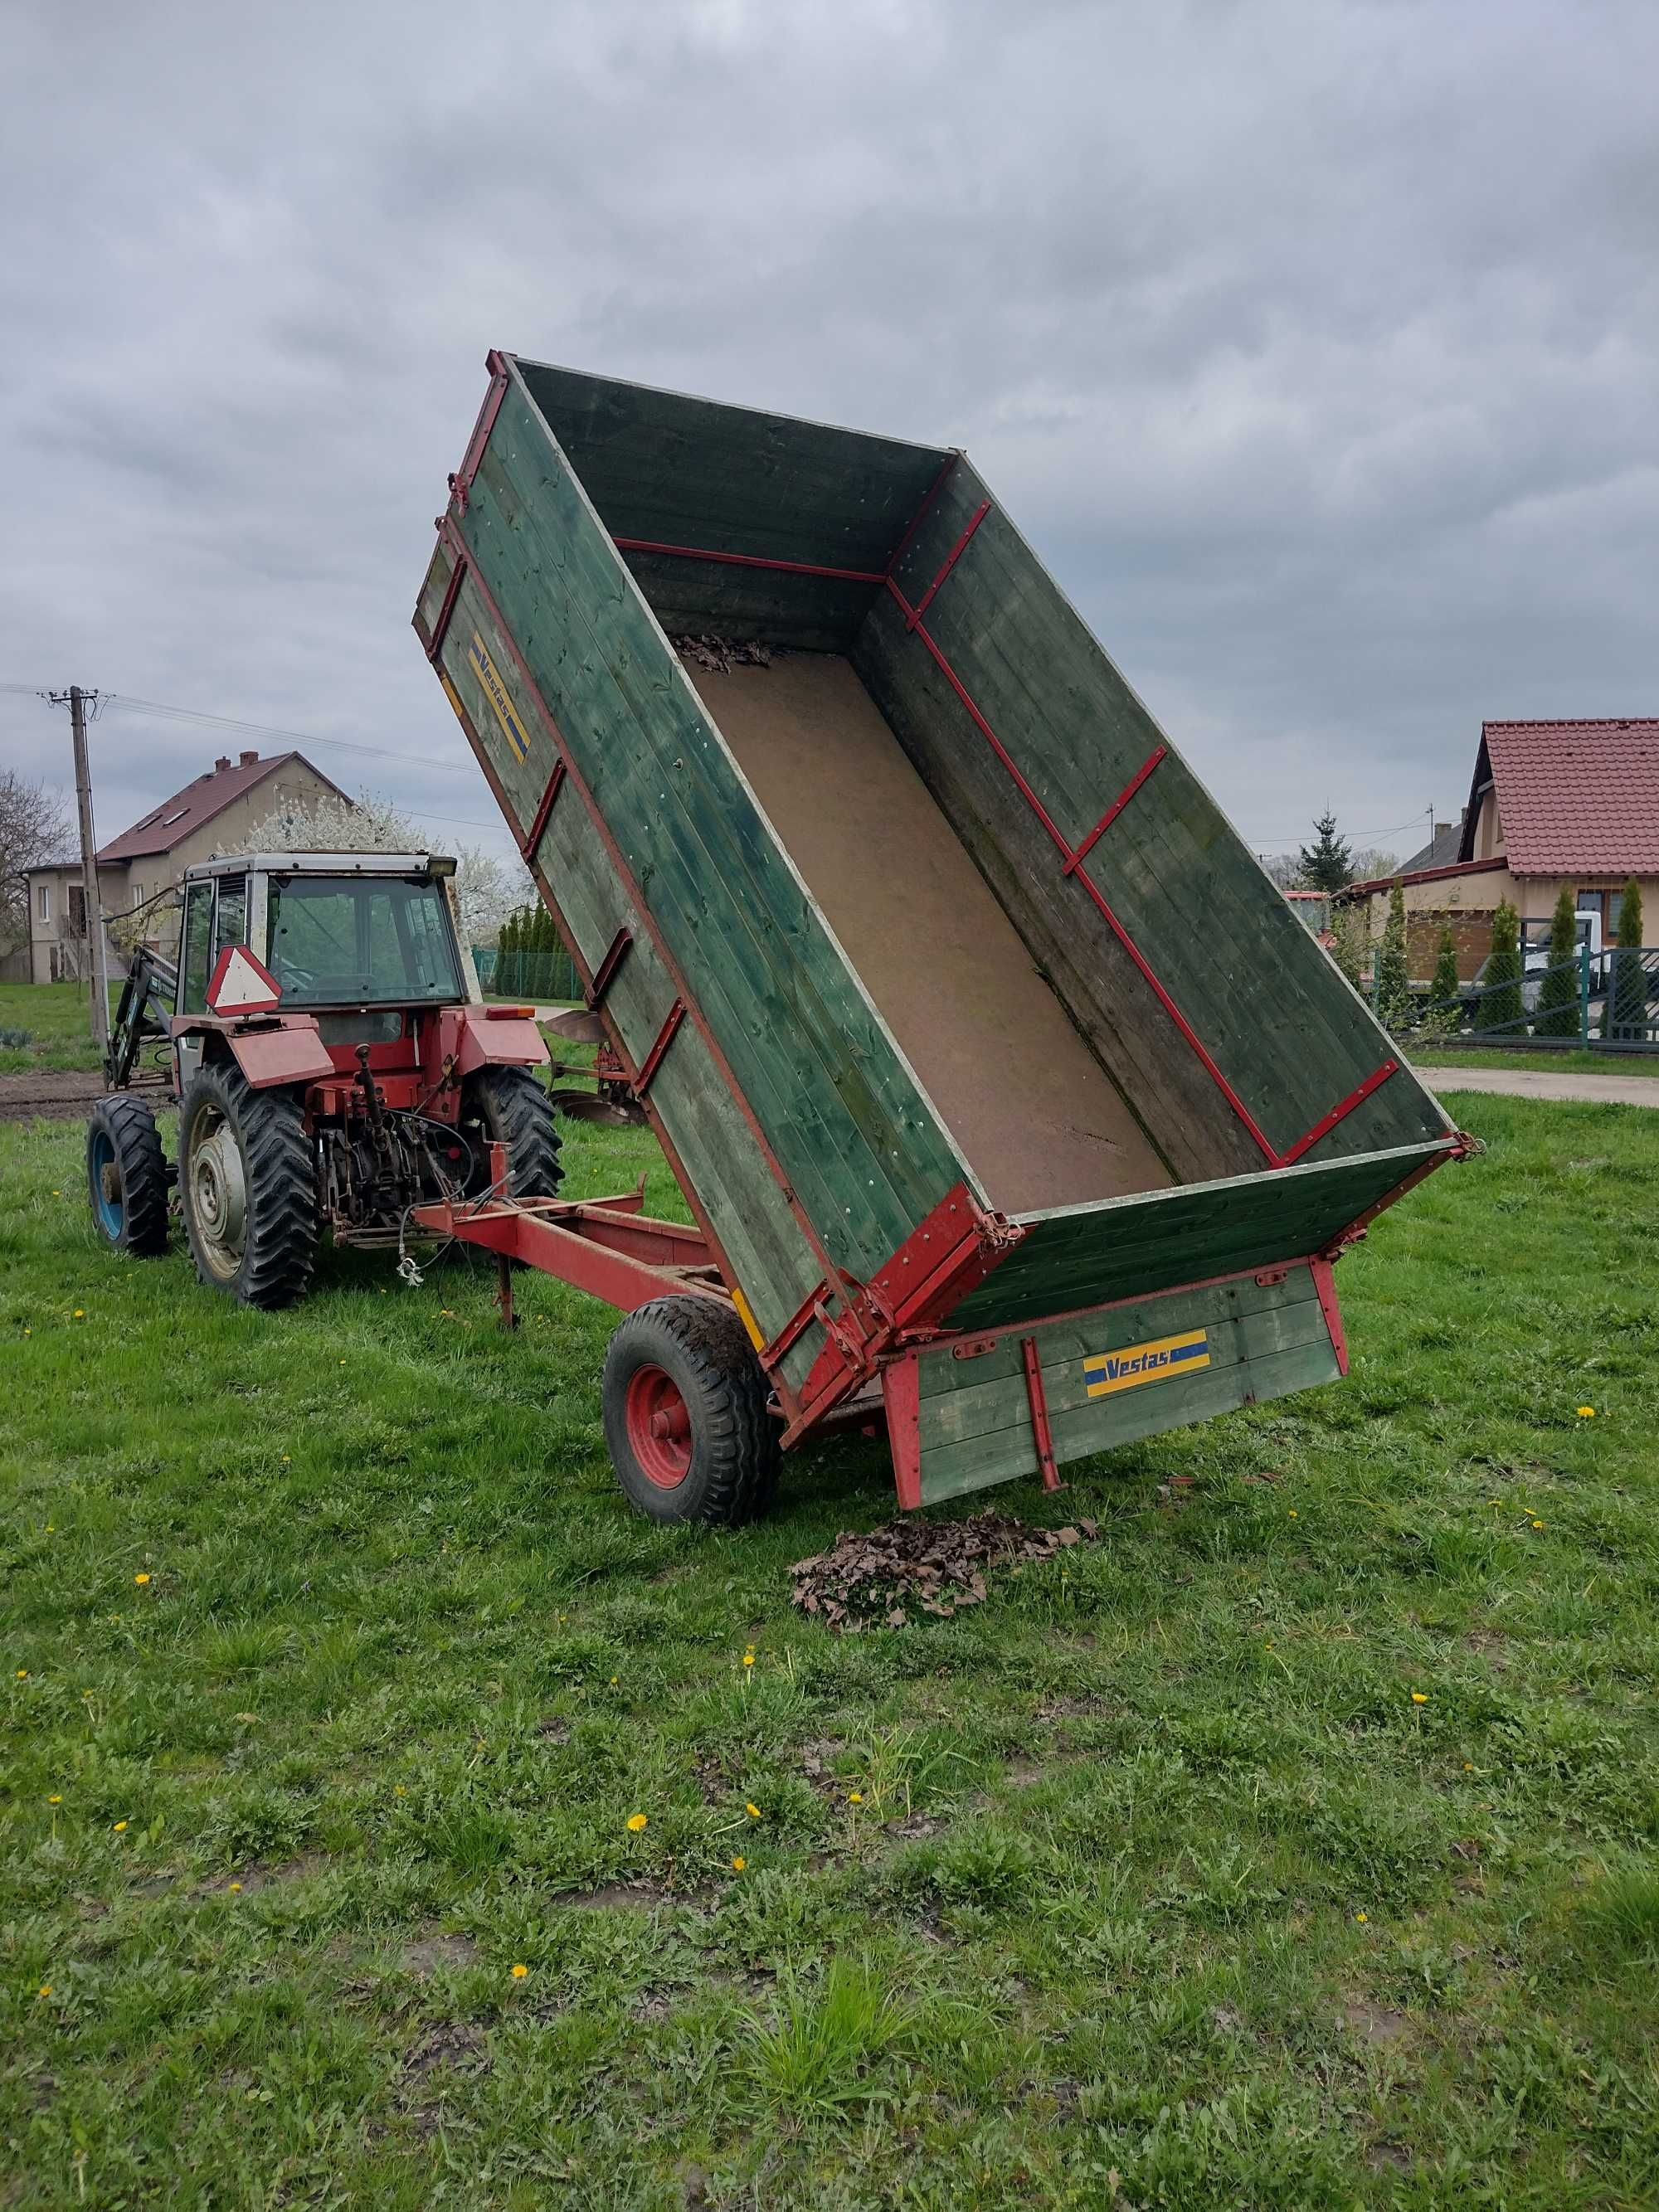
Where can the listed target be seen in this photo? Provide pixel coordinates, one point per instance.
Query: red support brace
(1323, 1126)
(1042, 1436)
(1326, 1290)
(532, 836)
(949, 562)
(605, 974)
(923, 511)
(1114, 809)
(748, 561)
(901, 1394)
(440, 628)
(461, 483)
(665, 1035)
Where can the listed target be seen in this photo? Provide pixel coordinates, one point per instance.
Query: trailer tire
(507, 1106)
(247, 1188)
(686, 1417)
(127, 1176)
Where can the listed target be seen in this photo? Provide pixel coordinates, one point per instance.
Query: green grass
(1568, 1061)
(57, 1020)
(1163, 1889)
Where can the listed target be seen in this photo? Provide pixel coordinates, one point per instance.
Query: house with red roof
(1551, 805)
(136, 870)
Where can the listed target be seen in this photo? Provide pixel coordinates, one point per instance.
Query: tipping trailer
(1004, 1087)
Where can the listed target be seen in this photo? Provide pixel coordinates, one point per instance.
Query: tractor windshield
(361, 941)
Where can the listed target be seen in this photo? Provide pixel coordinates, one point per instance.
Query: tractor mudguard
(278, 1048)
(479, 1036)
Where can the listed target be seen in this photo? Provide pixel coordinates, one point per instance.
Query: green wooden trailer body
(993, 1068)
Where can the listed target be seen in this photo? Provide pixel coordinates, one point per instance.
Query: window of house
(138, 895)
(43, 902)
(77, 909)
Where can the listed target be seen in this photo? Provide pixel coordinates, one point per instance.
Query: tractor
(334, 1066)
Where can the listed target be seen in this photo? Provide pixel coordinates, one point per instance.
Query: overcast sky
(1312, 344)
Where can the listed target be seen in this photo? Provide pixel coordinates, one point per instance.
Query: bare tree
(35, 832)
(487, 889)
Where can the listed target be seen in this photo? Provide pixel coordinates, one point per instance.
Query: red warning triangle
(240, 984)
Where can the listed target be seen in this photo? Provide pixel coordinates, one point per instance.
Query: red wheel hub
(658, 1427)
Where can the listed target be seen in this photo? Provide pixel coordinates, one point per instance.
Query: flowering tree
(487, 889)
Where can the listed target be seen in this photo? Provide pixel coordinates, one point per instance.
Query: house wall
(55, 953)
(1466, 903)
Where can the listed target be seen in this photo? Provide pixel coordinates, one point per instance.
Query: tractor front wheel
(127, 1175)
(686, 1417)
(247, 1188)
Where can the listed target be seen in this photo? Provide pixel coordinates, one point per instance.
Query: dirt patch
(453, 2043)
(429, 1953)
(933, 1567)
(63, 1094)
(1378, 2025)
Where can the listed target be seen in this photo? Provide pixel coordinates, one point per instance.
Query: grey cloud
(1312, 344)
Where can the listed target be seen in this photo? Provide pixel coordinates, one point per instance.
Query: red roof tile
(1574, 798)
(175, 818)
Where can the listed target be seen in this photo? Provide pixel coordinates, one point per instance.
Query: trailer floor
(1027, 1102)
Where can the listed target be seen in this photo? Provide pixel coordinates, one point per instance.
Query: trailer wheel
(685, 1414)
(247, 1187)
(508, 1106)
(127, 1175)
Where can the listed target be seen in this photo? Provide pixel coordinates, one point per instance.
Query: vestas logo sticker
(1108, 1371)
(495, 692)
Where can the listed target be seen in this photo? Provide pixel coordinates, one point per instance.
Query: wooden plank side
(1182, 1113)
(1200, 1306)
(1084, 1256)
(1291, 1035)
(676, 470)
(809, 613)
(718, 886)
(1001, 1455)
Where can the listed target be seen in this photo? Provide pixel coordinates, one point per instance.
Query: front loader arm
(145, 1006)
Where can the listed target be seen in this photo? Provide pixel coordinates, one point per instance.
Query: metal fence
(541, 973)
(1594, 1002)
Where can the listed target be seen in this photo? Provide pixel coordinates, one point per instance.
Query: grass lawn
(1293, 1845)
(56, 1018)
(1569, 1061)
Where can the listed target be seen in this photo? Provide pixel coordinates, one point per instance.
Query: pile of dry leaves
(723, 654)
(864, 1581)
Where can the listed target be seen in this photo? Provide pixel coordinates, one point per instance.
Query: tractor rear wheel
(247, 1188)
(686, 1419)
(508, 1106)
(127, 1175)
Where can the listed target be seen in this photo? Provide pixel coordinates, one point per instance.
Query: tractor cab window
(360, 941)
(196, 963)
(230, 920)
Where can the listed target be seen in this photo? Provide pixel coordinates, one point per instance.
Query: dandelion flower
(1587, 1413)
(22, 1674)
(1419, 1697)
(636, 1821)
(120, 1827)
(1293, 1512)
(519, 1972)
(613, 1681)
(45, 1990)
(1362, 1916)
(54, 1800)
(747, 1658)
(286, 1461)
(398, 1791)
(234, 1887)
(855, 1797)
(1537, 1524)
(141, 1579)
(738, 1863)
(1469, 1767)
(58, 1194)
(753, 1811)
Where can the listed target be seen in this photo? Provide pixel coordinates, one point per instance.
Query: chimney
(248, 760)
(221, 764)
(1441, 829)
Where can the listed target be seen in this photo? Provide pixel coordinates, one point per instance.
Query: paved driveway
(1538, 1082)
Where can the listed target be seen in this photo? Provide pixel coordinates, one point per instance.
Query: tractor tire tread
(137, 1144)
(521, 1114)
(280, 1255)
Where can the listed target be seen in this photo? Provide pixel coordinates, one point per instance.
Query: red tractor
(334, 1067)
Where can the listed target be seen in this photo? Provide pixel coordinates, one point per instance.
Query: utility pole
(95, 913)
